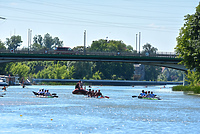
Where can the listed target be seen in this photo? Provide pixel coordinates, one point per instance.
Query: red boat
(80, 91)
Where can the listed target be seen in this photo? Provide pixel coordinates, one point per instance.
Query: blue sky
(158, 21)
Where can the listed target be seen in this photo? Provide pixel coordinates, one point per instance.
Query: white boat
(3, 82)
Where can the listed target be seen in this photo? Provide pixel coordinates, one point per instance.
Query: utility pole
(139, 43)
(29, 39)
(84, 41)
(136, 43)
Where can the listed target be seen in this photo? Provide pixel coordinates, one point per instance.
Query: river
(22, 112)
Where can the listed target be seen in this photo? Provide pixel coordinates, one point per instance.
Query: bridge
(169, 60)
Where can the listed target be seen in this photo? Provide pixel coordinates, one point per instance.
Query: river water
(22, 112)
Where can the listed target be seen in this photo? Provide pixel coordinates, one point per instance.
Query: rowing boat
(147, 98)
(80, 91)
(44, 96)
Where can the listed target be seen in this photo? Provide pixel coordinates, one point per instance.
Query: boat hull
(140, 97)
(81, 92)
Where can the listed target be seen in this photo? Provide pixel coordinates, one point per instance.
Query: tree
(112, 70)
(57, 42)
(13, 42)
(37, 42)
(151, 72)
(48, 41)
(2, 45)
(188, 41)
(19, 69)
(148, 48)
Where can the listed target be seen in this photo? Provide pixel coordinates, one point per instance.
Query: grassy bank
(195, 89)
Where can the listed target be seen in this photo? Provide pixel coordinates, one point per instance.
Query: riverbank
(107, 82)
(187, 89)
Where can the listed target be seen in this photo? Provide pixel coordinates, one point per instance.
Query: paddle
(106, 97)
(53, 93)
(134, 96)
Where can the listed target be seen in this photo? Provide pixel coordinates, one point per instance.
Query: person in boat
(4, 88)
(145, 94)
(148, 94)
(93, 94)
(89, 93)
(40, 91)
(48, 93)
(152, 95)
(142, 94)
(78, 85)
(99, 93)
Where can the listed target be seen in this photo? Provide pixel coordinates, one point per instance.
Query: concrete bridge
(158, 59)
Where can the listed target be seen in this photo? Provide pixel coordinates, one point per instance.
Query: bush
(195, 89)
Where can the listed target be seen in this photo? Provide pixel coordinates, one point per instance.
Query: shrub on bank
(195, 89)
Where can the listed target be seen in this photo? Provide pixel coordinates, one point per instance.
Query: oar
(106, 97)
(53, 93)
(134, 96)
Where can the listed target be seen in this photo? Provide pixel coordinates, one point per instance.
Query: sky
(158, 21)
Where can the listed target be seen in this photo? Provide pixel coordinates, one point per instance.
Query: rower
(142, 94)
(152, 94)
(89, 93)
(47, 93)
(98, 93)
(4, 88)
(148, 95)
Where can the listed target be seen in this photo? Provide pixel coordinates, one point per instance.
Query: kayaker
(152, 94)
(47, 93)
(142, 94)
(89, 93)
(93, 94)
(43, 92)
(98, 93)
(4, 88)
(148, 95)
(39, 92)
(145, 94)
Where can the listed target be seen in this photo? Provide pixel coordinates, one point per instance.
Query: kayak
(147, 98)
(81, 92)
(43, 96)
(102, 97)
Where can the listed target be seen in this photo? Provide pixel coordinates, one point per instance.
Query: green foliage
(2, 45)
(188, 44)
(97, 76)
(148, 48)
(171, 75)
(151, 72)
(13, 42)
(19, 69)
(56, 71)
(193, 78)
(48, 42)
(195, 89)
(108, 46)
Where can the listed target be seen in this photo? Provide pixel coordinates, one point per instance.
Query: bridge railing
(142, 54)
